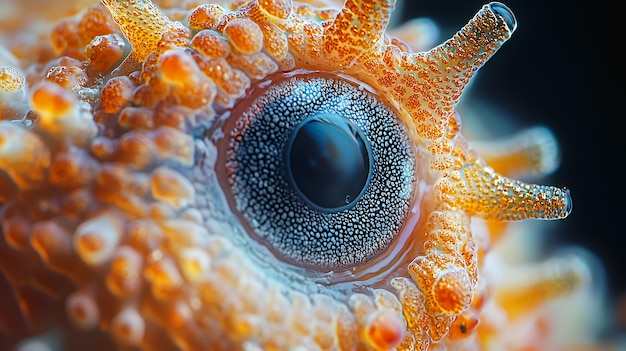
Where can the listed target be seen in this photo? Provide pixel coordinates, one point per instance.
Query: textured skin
(115, 228)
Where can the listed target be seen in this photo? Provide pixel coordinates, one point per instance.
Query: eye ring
(329, 240)
(350, 135)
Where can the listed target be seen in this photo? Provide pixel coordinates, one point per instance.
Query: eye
(321, 169)
(326, 147)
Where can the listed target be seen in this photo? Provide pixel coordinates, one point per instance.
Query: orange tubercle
(11, 79)
(245, 36)
(385, 330)
(453, 291)
(51, 100)
(463, 326)
(116, 94)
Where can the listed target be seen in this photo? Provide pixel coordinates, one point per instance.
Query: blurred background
(563, 69)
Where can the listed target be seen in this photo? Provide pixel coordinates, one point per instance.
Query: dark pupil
(328, 161)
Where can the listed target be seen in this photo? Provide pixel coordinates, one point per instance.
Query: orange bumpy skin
(113, 234)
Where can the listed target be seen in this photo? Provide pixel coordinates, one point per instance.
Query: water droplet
(506, 14)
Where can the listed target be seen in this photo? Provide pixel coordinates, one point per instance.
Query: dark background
(563, 68)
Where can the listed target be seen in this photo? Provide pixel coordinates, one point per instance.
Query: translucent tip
(569, 204)
(505, 13)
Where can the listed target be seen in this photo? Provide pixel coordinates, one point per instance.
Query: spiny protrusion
(447, 272)
(529, 289)
(142, 23)
(532, 152)
(480, 191)
(434, 80)
(420, 34)
(342, 46)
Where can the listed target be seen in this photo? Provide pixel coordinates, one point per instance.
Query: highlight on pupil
(328, 161)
